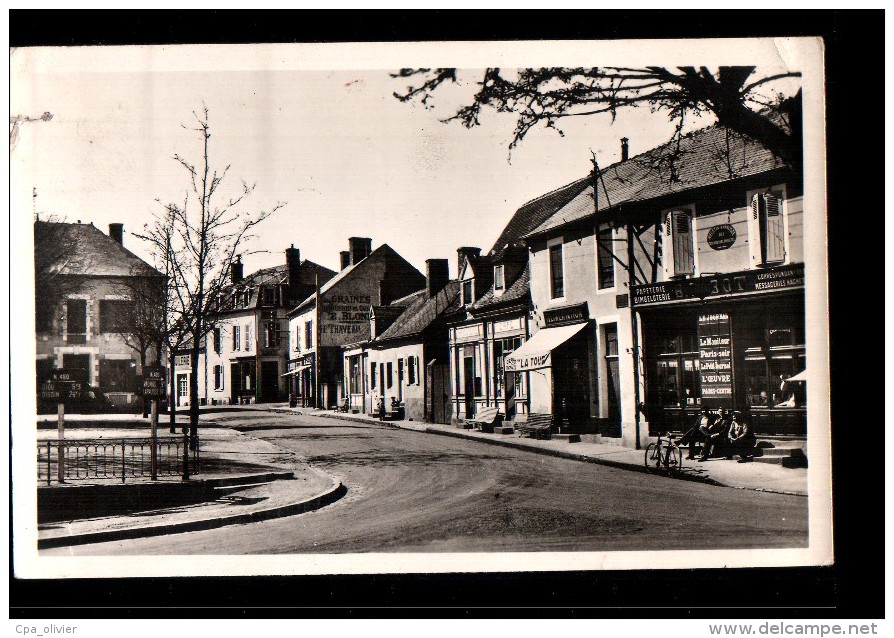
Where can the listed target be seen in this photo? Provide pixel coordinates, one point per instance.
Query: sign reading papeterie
(722, 285)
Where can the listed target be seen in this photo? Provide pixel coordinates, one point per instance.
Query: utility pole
(317, 333)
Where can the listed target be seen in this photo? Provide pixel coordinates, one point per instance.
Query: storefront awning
(292, 373)
(535, 352)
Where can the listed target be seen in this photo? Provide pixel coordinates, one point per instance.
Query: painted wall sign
(723, 285)
(567, 315)
(343, 318)
(715, 360)
(722, 236)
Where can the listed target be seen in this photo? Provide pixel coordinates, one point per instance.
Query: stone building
(321, 325)
(246, 352)
(87, 284)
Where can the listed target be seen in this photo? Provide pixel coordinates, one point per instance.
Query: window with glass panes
(604, 248)
(556, 275)
(677, 367)
(775, 350)
(502, 349)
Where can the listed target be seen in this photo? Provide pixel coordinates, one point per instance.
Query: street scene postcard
(419, 307)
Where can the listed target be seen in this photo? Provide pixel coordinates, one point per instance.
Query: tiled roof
(518, 290)
(280, 274)
(534, 213)
(705, 157)
(423, 312)
(86, 250)
(384, 250)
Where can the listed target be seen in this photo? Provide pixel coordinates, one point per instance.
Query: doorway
(571, 387)
(469, 380)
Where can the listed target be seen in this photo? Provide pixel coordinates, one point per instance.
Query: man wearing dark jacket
(715, 434)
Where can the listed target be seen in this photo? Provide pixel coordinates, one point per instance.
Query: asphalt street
(421, 492)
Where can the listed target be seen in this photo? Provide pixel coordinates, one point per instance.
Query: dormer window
(269, 296)
(246, 297)
(467, 292)
(499, 282)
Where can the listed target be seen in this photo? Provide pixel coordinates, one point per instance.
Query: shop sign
(153, 383)
(306, 360)
(721, 237)
(715, 360)
(528, 363)
(566, 315)
(722, 285)
(467, 333)
(508, 325)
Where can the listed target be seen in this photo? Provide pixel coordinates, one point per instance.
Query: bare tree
(198, 240)
(741, 103)
(142, 319)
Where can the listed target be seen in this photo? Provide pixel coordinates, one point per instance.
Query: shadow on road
(373, 458)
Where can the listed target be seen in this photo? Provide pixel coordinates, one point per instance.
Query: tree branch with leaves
(545, 96)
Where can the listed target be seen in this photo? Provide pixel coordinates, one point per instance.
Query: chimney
(116, 232)
(360, 248)
(625, 150)
(293, 268)
(236, 270)
(345, 258)
(463, 253)
(437, 274)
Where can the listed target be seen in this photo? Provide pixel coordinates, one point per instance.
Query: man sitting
(715, 434)
(698, 432)
(741, 439)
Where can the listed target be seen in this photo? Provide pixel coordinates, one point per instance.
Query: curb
(334, 493)
(566, 455)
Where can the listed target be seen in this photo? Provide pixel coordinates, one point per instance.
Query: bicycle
(664, 452)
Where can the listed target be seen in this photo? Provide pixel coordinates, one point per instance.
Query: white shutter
(754, 234)
(667, 247)
(684, 258)
(775, 234)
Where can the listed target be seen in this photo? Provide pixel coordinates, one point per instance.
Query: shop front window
(775, 353)
(668, 386)
(502, 349)
(678, 372)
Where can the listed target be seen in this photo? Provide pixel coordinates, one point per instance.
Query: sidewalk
(761, 477)
(242, 479)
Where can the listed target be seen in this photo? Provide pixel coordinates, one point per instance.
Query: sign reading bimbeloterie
(715, 360)
(721, 285)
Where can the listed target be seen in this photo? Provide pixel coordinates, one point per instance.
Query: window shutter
(775, 234)
(684, 261)
(667, 247)
(754, 234)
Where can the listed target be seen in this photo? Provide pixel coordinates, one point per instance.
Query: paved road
(413, 491)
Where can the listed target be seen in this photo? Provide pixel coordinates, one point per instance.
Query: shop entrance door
(269, 380)
(469, 380)
(571, 388)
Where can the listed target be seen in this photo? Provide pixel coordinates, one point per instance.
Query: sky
(316, 128)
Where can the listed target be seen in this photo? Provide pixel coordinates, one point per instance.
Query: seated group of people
(720, 430)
